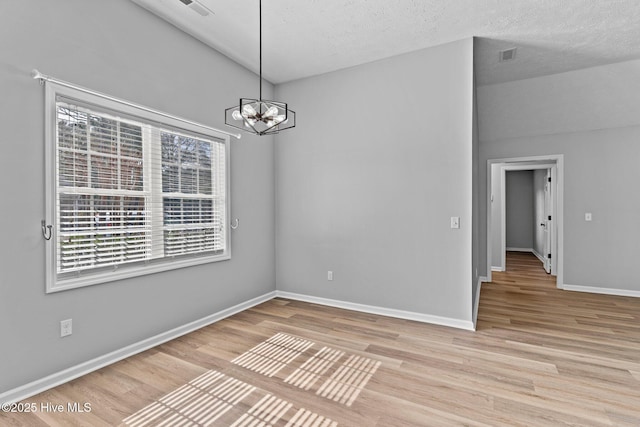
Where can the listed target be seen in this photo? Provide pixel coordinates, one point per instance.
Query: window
(130, 191)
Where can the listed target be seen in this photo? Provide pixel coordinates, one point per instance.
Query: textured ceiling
(302, 38)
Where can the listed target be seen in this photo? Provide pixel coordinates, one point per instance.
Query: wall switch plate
(66, 327)
(455, 222)
(587, 216)
(329, 275)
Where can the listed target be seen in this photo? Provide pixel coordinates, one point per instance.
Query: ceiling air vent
(508, 54)
(200, 9)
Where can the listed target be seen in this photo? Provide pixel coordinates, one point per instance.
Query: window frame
(158, 119)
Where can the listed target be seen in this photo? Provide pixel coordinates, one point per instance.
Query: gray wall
(519, 209)
(475, 237)
(592, 117)
(539, 182)
(496, 218)
(368, 181)
(117, 48)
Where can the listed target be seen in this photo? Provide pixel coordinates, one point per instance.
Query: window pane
(131, 174)
(72, 169)
(103, 135)
(170, 148)
(207, 214)
(106, 212)
(204, 154)
(109, 248)
(72, 128)
(101, 230)
(186, 164)
(204, 182)
(188, 153)
(134, 210)
(172, 211)
(131, 140)
(170, 179)
(191, 211)
(107, 221)
(191, 240)
(188, 179)
(75, 212)
(104, 172)
(76, 251)
(136, 246)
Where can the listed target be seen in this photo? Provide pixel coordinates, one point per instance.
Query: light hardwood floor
(540, 357)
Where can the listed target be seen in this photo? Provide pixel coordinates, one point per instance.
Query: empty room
(319, 213)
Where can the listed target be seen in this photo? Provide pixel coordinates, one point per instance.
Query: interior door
(548, 207)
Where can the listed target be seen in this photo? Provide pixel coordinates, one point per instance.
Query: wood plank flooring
(540, 357)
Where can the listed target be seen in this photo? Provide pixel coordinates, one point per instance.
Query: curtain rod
(42, 77)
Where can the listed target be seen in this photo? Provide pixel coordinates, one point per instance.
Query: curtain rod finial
(38, 75)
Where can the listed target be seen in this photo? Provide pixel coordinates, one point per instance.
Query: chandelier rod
(260, 8)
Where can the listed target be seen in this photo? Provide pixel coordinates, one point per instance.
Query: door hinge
(549, 256)
(549, 217)
(549, 179)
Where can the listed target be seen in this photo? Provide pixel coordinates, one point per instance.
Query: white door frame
(548, 224)
(556, 163)
(508, 167)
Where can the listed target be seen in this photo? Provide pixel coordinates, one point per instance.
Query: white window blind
(192, 197)
(132, 193)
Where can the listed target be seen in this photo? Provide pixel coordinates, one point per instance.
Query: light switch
(455, 222)
(587, 216)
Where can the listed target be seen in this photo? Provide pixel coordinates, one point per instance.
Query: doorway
(545, 225)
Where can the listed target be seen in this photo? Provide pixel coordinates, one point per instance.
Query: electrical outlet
(329, 275)
(455, 222)
(587, 216)
(66, 327)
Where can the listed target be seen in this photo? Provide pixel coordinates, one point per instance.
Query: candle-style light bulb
(248, 110)
(271, 112)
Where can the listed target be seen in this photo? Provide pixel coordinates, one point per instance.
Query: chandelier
(260, 116)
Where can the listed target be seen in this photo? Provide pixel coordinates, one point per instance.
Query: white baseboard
(53, 380)
(520, 250)
(497, 268)
(481, 279)
(381, 311)
(596, 290)
(540, 257)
